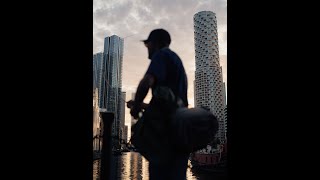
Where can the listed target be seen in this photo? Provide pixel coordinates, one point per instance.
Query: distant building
(125, 134)
(96, 120)
(122, 114)
(226, 118)
(133, 121)
(97, 67)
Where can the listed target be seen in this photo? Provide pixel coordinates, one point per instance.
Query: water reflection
(135, 161)
(145, 170)
(133, 166)
(96, 165)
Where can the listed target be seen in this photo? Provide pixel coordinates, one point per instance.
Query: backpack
(191, 129)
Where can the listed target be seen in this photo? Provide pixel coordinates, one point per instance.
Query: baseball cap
(158, 35)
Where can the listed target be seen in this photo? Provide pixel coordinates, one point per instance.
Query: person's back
(168, 69)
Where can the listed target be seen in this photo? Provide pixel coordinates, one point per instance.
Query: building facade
(112, 79)
(96, 121)
(133, 121)
(98, 69)
(125, 134)
(208, 84)
(122, 114)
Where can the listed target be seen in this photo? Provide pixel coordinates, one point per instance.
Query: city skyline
(134, 20)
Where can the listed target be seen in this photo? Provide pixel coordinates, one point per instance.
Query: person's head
(158, 38)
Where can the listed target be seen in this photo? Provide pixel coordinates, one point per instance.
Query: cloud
(134, 20)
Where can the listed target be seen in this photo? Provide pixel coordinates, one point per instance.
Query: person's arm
(143, 88)
(130, 105)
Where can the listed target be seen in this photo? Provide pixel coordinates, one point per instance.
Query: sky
(133, 20)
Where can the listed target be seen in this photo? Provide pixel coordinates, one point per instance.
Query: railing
(109, 143)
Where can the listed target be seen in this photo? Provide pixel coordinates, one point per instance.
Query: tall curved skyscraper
(209, 87)
(112, 78)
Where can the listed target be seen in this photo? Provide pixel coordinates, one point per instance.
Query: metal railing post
(106, 152)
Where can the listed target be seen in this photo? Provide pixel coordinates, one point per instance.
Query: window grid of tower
(208, 76)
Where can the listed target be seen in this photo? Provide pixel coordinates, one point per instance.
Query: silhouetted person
(165, 70)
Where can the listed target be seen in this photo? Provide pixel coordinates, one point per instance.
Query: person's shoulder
(168, 52)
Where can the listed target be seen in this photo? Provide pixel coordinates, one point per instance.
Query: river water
(133, 166)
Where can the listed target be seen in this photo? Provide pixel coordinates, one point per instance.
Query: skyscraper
(97, 75)
(133, 121)
(224, 92)
(122, 114)
(208, 76)
(225, 108)
(125, 133)
(112, 78)
(226, 118)
(96, 120)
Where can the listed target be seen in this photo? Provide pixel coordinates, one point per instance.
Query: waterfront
(132, 166)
